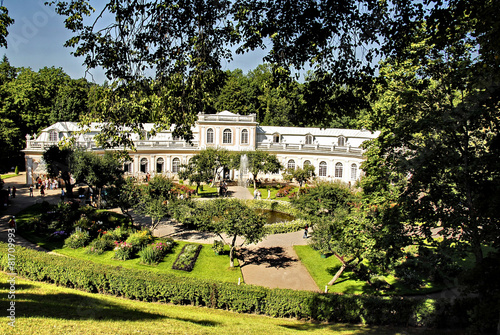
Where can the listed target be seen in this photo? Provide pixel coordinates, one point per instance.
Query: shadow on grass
(72, 306)
(274, 257)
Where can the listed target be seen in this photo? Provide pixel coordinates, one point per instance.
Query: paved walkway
(270, 263)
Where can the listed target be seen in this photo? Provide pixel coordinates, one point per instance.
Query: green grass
(322, 271)
(48, 309)
(8, 175)
(207, 266)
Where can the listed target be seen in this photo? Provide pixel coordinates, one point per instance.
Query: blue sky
(36, 40)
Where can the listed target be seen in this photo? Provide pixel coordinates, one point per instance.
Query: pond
(274, 216)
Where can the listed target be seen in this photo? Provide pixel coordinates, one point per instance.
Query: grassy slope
(47, 309)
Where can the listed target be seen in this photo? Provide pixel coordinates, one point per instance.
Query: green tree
(124, 194)
(208, 164)
(5, 21)
(97, 171)
(58, 162)
(232, 218)
(301, 175)
(154, 199)
(71, 101)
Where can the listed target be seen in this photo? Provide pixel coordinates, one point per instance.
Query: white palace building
(335, 153)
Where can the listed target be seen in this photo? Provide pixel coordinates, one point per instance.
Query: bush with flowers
(101, 244)
(119, 233)
(123, 250)
(284, 191)
(77, 240)
(140, 239)
(154, 253)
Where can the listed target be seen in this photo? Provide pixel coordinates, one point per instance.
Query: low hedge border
(148, 286)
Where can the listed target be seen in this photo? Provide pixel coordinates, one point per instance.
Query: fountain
(243, 175)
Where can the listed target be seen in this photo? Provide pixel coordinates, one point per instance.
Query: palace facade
(336, 154)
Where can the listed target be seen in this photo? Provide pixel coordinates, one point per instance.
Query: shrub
(58, 235)
(100, 245)
(154, 253)
(123, 251)
(119, 233)
(218, 246)
(140, 239)
(77, 240)
(283, 192)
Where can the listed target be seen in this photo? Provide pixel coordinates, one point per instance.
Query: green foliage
(123, 250)
(139, 239)
(260, 162)
(100, 245)
(187, 257)
(154, 253)
(218, 246)
(78, 239)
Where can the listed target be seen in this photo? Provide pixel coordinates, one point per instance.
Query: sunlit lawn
(8, 175)
(48, 309)
(207, 266)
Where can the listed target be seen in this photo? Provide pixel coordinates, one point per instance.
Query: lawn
(322, 271)
(48, 309)
(208, 265)
(8, 175)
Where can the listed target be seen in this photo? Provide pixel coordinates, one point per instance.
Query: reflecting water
(274, 216)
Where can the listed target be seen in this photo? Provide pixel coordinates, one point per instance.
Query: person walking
(42, 190)
(305, 231)
(14, 189)
(63, 194)
(13, 223)
(31, 190)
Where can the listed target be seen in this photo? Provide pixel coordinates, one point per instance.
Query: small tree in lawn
(301, 175)
(154, 199)
(124, 194)
(232, 218)
(58, 163)
(262, 162)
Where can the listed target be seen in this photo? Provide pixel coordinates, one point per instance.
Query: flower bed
(187, 257)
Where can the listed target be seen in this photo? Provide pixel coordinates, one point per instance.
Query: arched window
(176, 165)
(244, 136)
(307, 163)
(53, 136)
(227, 136)
(144, 165)
(322, 169)
(338, 170)
(210, 135)
(291, 164)
(341, 141)
(309, 139)
(276, 138)
(159, 165)
(354, 171)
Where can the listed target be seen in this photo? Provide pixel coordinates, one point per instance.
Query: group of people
(48, 183)
(12, 191)
(223, 189)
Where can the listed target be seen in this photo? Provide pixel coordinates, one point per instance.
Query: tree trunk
(231, 252)
(339, 272)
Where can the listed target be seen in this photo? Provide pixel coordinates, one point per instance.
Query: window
(53, 136)
(307, 163)
(144, 165)
(291, 164)
(227, 136)
(341, 141)
(176, 165)
(159, 165)
(322, 169)
(210, 135)
(276, 138)
(309, 139)
(354, 171)
(244, 136)
(338, 170)
(127, 167)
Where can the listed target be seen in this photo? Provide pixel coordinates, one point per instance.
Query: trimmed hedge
(148, 286)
